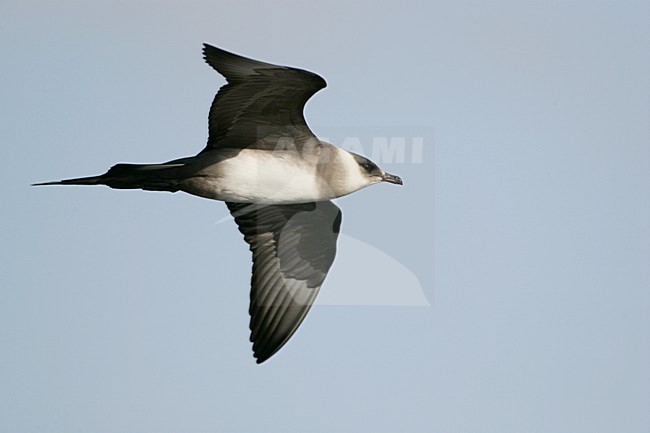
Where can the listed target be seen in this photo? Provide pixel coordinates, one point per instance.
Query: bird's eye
(367, 166)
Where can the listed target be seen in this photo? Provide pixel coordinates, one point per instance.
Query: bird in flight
(277, 179)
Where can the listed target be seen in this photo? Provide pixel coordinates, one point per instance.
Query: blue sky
(505, 288)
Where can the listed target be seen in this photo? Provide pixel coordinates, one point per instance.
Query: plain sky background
(527, 223)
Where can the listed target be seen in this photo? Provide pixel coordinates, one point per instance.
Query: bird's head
(346, 172)
(371, 173)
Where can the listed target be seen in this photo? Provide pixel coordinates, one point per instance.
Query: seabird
(277, 180)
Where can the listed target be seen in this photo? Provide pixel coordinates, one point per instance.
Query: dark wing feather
(262, 104)
(293, 248)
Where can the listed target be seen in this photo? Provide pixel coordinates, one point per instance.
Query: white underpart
(268, 177)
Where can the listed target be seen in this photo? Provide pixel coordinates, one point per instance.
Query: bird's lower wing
(293, 248)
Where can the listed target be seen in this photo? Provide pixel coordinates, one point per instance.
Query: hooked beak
(391, 178)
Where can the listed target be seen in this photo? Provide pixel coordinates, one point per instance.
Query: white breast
(268, 177)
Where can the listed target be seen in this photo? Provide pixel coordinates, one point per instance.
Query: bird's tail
(152, 177)
(93, 180)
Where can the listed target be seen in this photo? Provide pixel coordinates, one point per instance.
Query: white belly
(267, 177)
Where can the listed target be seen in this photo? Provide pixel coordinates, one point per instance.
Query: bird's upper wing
(262, 104)
(293, 248)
